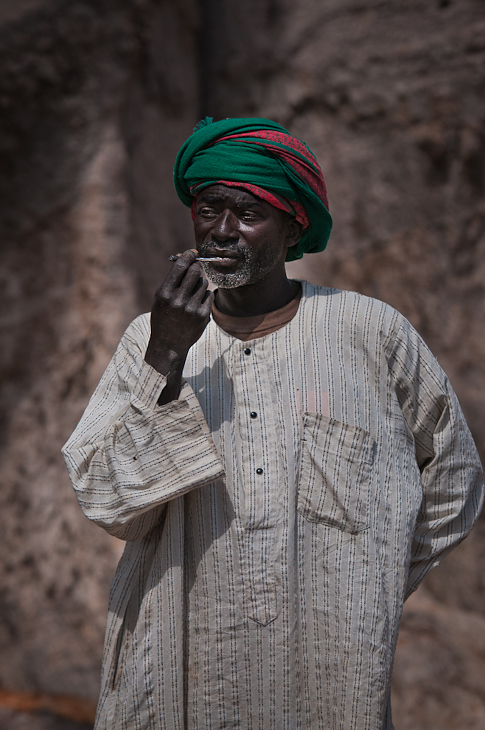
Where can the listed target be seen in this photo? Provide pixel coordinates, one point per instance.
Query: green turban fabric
(262, 157)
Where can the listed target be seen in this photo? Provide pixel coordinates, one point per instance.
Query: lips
(229, 256)
(221, 253)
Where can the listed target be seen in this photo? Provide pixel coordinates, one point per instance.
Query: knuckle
(188, 257)
(162, 291)
(177, 303)
(158, 299)
(161, 297)
(181, 263)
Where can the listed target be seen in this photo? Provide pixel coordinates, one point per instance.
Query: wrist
(165, 361)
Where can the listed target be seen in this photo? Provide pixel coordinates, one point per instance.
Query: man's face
(249, 234)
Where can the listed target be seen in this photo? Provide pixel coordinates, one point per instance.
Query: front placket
(256, 434)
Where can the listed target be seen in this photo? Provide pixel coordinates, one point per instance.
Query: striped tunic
(276, 517)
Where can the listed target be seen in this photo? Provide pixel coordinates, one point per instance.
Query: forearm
(453, 493)
(451, 474)
(180, 314)
(128, 456)
(145, 459)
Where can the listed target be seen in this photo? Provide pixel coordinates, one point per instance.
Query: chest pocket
(335, 469)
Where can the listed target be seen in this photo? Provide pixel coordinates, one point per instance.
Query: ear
(294, 232)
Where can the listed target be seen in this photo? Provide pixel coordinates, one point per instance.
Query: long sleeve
(128, 456)
(451, 474)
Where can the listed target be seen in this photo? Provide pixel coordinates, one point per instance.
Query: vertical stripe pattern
(276, 517)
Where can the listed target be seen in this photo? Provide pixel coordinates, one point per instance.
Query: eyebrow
(217, 198)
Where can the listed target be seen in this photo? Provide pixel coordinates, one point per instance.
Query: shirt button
(253, 414)
(259, 471)
(247, 351)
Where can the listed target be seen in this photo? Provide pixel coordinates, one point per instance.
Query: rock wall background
(95, 98)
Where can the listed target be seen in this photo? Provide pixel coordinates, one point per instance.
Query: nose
(224, 227)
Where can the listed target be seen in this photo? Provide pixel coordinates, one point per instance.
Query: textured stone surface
(89, 111)
(12, 720)
(95, 98)
(390, 97)
(438, 672)
(40, 711)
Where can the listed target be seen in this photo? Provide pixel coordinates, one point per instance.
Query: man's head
(251, 235)
(261, 158)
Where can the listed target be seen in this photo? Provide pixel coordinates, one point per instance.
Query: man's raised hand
(180, 313)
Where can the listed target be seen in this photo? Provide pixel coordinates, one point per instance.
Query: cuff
(149, 385)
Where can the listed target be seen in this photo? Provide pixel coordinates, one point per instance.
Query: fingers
(181, 281)
(199, 303)
(199, 289)
(207, 303)
(180, 269)
(190, 283)
(184, 292)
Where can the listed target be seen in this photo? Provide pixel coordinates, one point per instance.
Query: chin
(227, 281)
(233, 280)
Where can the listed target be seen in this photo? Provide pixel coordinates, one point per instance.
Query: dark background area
(96, 96)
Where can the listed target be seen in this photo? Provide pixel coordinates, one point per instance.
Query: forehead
(223, 193)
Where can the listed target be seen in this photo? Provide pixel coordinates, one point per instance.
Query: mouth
(225, 257)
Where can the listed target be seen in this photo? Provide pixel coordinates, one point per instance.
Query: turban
(262, 157)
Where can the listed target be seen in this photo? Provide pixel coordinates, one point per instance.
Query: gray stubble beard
(252, 270)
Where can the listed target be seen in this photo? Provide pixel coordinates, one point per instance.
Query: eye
(206, 212)
(248, 215)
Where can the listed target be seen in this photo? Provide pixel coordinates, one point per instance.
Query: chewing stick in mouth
(199, 258)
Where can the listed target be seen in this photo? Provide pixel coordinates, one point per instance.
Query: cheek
(264, 236)
(201, 230)
(271, 243)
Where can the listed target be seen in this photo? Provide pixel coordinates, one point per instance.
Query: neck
(258, 298)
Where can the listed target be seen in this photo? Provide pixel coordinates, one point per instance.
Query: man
(286, 463)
